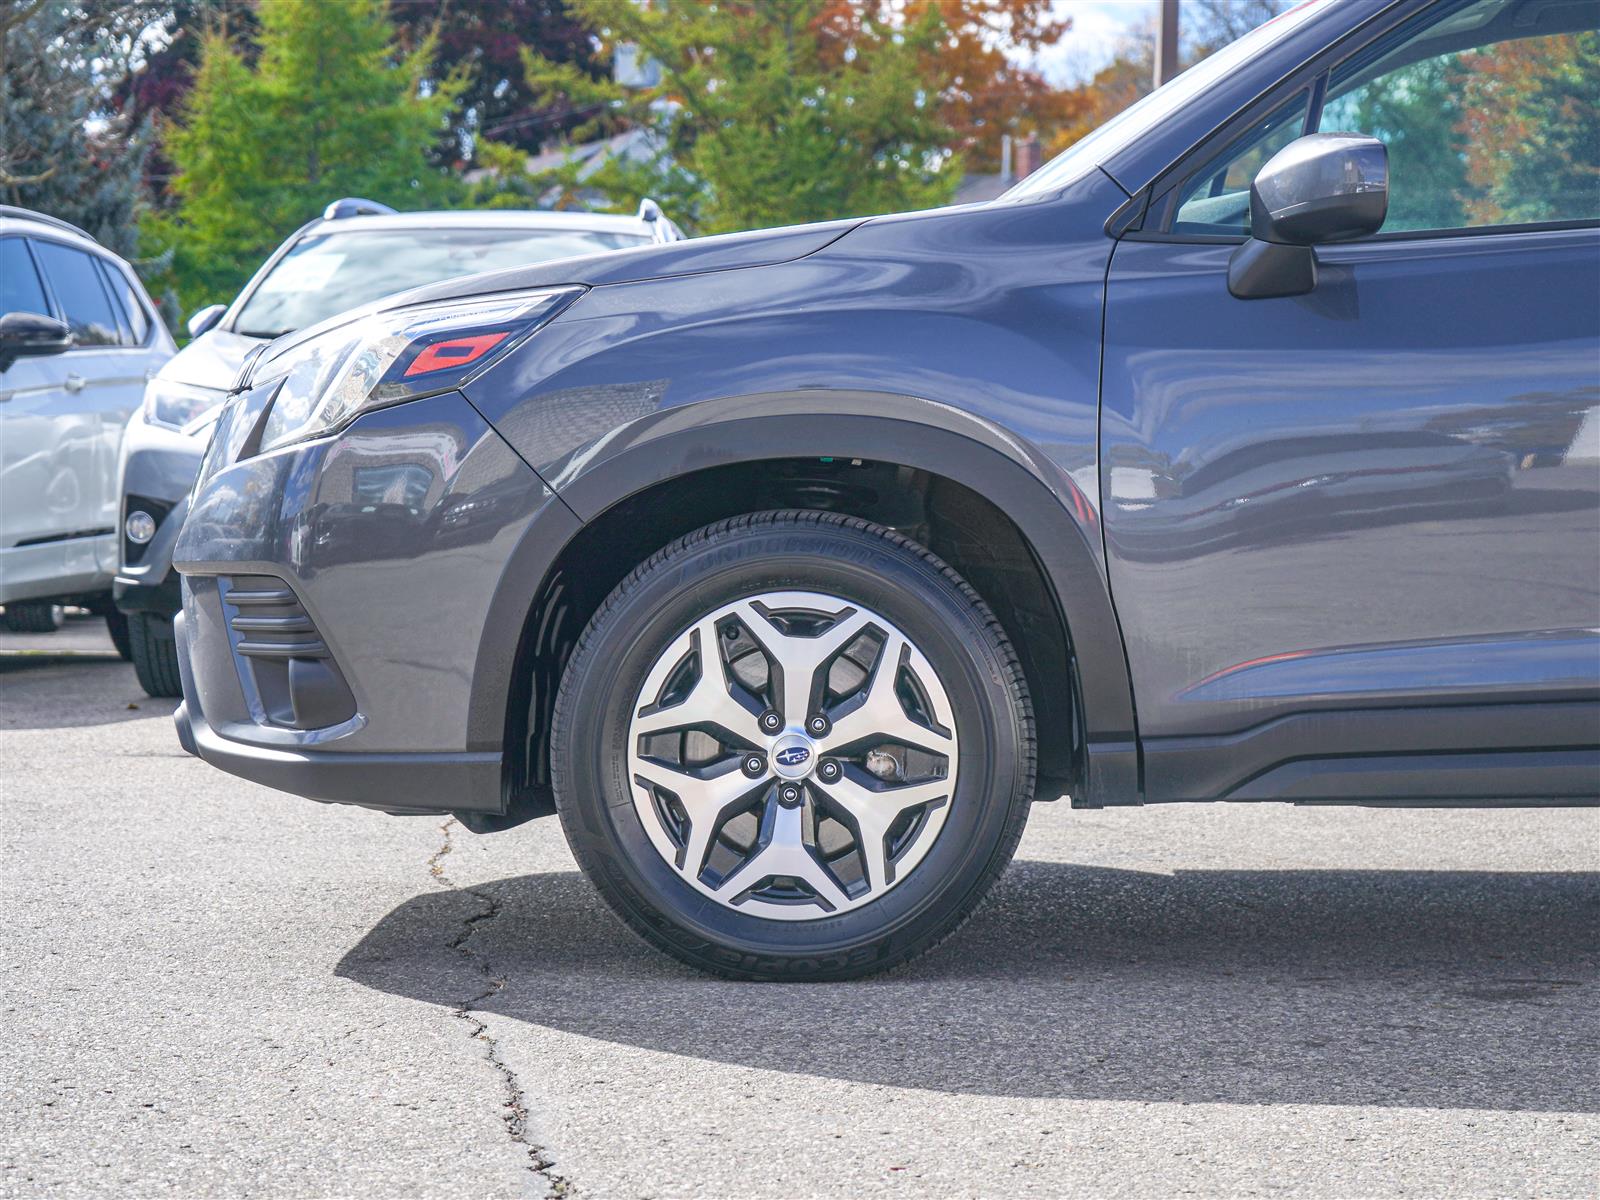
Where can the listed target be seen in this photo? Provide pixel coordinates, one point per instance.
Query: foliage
(1209, 25)
(330, 107)
(61, 151)
(1413, 110)
(154, 91)
(1530, 126)
(1206, 26)
(753, 124)
(985, 93)
(485, 39)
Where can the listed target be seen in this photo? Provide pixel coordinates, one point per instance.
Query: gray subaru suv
(1249, 451)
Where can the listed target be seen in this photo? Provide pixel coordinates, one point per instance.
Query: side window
(1499, 131)
(135, 321)
(1216, 198)
(76, 282)
(20, 289)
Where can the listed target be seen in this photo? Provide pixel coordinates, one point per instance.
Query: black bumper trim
(426, 783)
(398, 783)
(136, 595)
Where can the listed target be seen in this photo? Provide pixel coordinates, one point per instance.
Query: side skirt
(1475, 755)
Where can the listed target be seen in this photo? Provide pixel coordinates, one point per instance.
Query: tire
(155, 655)
(117, 627)
(35, 616)
(766, 898)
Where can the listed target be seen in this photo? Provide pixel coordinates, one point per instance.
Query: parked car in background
(79, 339)
(357, 251)
(1216, 461)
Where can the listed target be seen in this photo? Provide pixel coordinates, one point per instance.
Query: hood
(211, 360)
(696, 256)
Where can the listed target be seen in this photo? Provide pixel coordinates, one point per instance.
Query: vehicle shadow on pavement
(1389, 988)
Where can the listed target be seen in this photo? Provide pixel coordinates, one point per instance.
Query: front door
(1355, 533)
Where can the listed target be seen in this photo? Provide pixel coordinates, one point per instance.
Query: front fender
(1056, 519)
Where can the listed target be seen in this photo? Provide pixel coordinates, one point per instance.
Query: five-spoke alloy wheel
(793, 745)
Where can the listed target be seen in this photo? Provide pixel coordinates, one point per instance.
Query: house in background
(1028, 155)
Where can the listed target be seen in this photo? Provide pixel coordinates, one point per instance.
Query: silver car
(79, 338)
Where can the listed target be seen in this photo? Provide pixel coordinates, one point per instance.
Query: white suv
(79, 339)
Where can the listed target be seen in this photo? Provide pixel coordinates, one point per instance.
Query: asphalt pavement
(212, 989)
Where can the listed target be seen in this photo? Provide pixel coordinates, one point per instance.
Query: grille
(270, 621)
(282, 657)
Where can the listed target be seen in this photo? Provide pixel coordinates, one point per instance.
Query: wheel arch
(680, 468)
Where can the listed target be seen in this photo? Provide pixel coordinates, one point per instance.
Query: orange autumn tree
(985, 93)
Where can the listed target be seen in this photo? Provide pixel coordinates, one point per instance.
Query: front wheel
(155, 654)
(35, 616)
(793, 745)
(117, 627)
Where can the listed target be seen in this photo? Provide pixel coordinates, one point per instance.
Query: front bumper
(158, 468)
(336, 596)
(390, 782)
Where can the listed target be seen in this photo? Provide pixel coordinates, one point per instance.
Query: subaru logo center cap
(791, 758)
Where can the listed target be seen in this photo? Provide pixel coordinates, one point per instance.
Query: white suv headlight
(175, 405)
(390, 357)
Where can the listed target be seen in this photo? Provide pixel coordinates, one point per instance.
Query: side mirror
(1321, 188)
(205, 319)
(29, 335)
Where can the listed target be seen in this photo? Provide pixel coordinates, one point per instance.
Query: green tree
(62, 151)
(329, 107)
(751, 125)
(1413, 110)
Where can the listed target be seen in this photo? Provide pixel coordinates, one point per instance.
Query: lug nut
(771, 722)
(789, 795)
(817, 725)
(828, 770)
(754, 765)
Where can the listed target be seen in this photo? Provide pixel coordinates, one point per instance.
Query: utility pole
(1167, 42)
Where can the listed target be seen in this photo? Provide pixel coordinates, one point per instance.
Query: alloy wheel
(792, 755)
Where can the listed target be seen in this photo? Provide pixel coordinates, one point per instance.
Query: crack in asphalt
(514, 1109)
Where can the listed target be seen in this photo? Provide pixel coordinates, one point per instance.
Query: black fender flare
(1060, 524)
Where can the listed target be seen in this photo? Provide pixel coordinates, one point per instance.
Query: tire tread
(155, 657)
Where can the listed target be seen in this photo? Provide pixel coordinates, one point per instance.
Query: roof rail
(661, 229)
(27, 214)
(355, 206)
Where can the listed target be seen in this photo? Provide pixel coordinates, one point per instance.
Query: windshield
(327, 273)
(1095, 148)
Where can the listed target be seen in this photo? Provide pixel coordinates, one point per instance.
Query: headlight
(176, 404)
(390, 357)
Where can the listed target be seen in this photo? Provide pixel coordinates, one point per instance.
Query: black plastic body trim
(389, 782)
(989, 462)
(1280, 760)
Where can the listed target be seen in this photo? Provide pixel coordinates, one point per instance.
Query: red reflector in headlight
(457, 352)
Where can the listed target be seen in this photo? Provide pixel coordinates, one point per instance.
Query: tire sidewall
(595, 796)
